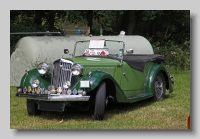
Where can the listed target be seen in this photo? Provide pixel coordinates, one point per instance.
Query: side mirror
(66, 51)
(129, 51)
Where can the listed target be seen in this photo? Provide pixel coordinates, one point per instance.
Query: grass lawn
(171, 113)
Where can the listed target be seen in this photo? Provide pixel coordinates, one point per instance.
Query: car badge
(69, 92)
(46, 91)
(42, 91)
(59, 90)
(53, 91)
(33, 91)
(75, 91)
(63, 91)
(25, 90)
(29, 89)
(49, 87)
(38, 90)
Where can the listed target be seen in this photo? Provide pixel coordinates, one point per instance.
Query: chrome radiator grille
(61, 73)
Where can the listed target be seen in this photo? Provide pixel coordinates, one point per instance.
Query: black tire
(100, 102)
(32, 108)
(159, 87)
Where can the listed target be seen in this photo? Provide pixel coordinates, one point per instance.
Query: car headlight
(43, 68)
(35, 83)
(66, 84)
(77, 69)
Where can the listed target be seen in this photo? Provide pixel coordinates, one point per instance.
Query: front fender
(95, 78)
(28, 77)
(151, 75)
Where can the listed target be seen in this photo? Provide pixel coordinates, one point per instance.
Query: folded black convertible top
(138, 61)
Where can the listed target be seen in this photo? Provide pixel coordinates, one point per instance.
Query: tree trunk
(124, 21)
(38, 17)
(128, 22)
(51, 20)
(89, 19)
(131, 22)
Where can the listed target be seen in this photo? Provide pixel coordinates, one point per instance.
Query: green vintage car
(99, 71)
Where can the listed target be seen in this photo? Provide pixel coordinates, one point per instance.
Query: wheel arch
(112, 87)
(153, 71)
(33, 74)
(166, 78)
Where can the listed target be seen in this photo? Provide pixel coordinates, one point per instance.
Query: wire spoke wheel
(159, 87)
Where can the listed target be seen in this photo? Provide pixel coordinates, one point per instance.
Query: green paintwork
(132, 81)
(132, 86)
(33, 74)
(95, 79)
(151, 74)
(95, 62)
(106, 65)
(135, 85)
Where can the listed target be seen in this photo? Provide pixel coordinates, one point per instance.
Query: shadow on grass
(111, 110)
(117, 108)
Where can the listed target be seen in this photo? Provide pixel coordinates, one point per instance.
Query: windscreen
(98, 47)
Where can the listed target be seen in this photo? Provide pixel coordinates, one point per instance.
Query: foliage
(168, 30)
(109, 21)
(175, 55)
(25, 21)
(173, 25)
(38, 61)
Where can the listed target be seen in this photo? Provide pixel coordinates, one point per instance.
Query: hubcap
(158, 87)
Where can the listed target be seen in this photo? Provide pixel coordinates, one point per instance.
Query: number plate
(85, 84)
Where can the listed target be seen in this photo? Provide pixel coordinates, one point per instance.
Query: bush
(175, 55)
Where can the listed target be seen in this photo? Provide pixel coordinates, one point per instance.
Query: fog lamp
(67, 84)
(35, 83)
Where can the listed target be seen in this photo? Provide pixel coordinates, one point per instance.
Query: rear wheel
(159, 87)
(32, 107)
(100, 102)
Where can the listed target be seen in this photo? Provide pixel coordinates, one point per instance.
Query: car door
(132, 81)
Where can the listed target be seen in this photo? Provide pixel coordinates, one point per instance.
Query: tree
(39, 14)
(128, 21)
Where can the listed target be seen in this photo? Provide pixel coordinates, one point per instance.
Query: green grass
(171, 113)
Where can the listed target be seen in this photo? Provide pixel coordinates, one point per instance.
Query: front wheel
(159, 87)
(100, 102)
(32, 107)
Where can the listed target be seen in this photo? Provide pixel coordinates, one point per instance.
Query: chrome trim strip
(66, 61)
(54, 97)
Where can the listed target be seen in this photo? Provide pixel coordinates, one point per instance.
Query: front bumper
(54, 97)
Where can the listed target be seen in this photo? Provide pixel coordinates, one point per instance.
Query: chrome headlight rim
(66, 84)
(35, 83)
(43, 68)
(77, 69)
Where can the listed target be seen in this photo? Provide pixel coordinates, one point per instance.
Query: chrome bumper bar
(54, 97)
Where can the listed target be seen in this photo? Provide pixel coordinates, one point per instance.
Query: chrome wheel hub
(159, 86)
